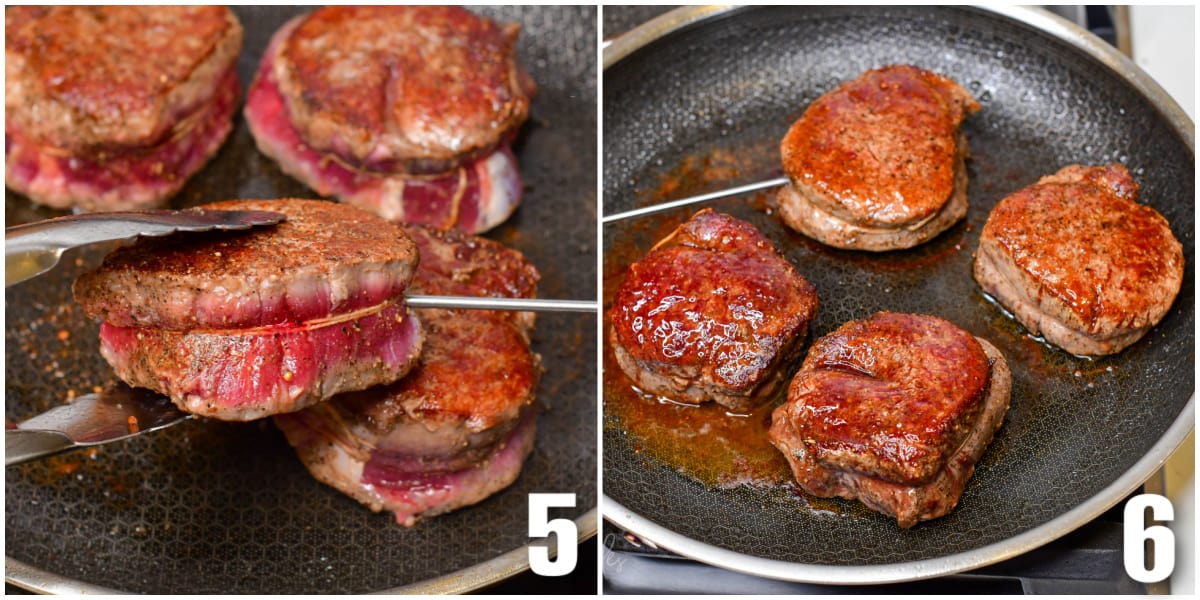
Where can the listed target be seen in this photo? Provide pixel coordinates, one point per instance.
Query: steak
(713, 312)
(410, 495)
(247, 374)
(445, 84)
(325, 259)
(115, 107)
(241, 325)
(894, 411)
(1079, 261)
(432, 147)
(457, 428)
(879, 162)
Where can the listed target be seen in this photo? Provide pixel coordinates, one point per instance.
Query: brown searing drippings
(706, 442)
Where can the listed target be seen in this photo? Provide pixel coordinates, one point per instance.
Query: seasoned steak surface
(894, 411)
(137, 179)
(881, 148)
(879, 162)
(890, 396)
(474, 196)
(1079, 260)
(492, 346)
(385, 85)
(325, 259)
(711, 313)
(89, 78)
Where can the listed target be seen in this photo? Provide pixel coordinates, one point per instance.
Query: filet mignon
(711, 313)
(894, 411)
(410, 117)
(115, 107)
(1079, 261)
(456, 429)
(325, 259)
(241, 325)
(878, 163)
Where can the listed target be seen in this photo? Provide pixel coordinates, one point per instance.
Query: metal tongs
(121, 412)
(117, 413)
(34, 248)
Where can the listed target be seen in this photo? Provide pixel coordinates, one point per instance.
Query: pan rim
(1014, 546)
(469, 579)
(1142, 470)
(1040, 19)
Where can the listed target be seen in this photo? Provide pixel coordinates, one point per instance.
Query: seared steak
(430, 143)
(325, 259)
(878, 163)
(894, 411)
(447, 84)
(242, 325)
(457, 428)
(115, 107)
(711, 313)
(1079, 261)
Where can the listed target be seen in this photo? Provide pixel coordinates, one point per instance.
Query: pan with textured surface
(1081, 434)
(210, 507)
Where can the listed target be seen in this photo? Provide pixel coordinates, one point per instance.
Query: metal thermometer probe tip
(648, 210)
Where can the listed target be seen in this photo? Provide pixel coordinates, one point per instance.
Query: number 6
(1136, 534)
(564, 533)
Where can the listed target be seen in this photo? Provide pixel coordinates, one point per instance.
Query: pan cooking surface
(705, 108)
(210, 507)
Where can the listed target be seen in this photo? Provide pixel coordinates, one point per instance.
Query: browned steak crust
(410, 88)
(491, 346)
(1078, 260)
(325, 259)
(878, 163)
(894, 411)
(242, 325)
(711, 313)
(88, 78)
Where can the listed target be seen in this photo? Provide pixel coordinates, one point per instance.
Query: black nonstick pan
(209, 507)
(697, 100)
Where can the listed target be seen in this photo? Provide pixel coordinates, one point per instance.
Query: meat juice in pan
(720, 448)
(725, 450)
(737, 449)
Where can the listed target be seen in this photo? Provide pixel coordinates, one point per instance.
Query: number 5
(540, 526)
(1136, 534)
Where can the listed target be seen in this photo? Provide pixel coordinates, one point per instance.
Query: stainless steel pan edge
(1142, 470)
(1043, 20)
(911, 571)
(33, 579)
(466, 580)
(498, 569)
